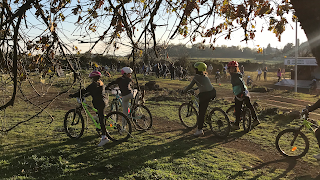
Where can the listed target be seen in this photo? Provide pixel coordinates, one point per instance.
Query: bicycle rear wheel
(188, 115)
(219, 122)
(292, 143)
(73, 124)
(118, 126)
(246, 120)
(142, 117)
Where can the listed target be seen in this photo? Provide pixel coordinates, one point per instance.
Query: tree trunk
(308, 13)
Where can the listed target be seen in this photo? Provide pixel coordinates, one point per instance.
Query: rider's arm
(190, 85)
(112, 83)
(82, 92)
(314, 106)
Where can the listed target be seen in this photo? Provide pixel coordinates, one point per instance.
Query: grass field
(39, 149)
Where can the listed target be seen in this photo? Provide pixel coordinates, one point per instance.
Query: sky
(71, 37)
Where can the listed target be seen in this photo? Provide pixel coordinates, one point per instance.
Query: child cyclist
(317, 131)
(207, 92)
(241, 94)
(99, 100)
(125, 84)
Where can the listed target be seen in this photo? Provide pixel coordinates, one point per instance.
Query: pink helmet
(94, 74)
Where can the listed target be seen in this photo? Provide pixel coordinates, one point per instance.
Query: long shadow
(134, 155)
(291, 164)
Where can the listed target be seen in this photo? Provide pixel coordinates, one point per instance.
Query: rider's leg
(204, 99)
(253, 112)
(125, 105)
(238, 106)
(104, 139)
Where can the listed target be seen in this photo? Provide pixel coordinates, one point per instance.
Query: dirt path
(270, 158)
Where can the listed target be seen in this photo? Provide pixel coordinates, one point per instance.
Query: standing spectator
(283, 71)
(144, 69)
(118, 66)
(218, 76)
(210, 68)
(171, 68)
(157, 70)
(181, 72)
(265, 73)
(225, 71)
(242, 70)
(279, 74)
(164, 70)
(259, 74)
(249, 81)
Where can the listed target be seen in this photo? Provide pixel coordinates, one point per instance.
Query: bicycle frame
(195, 100)
(119, 99)
(85, 107)
(307, 123)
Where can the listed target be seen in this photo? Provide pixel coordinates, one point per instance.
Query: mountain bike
(139, 115)
(294, 143)
(117, 124)
(245, 117)
(216, 119)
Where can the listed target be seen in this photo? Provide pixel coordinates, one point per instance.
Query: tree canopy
(37, 33)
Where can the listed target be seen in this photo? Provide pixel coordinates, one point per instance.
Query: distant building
(307, 67)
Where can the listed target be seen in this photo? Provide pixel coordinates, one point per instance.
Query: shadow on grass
(291, 164)
(82, 159)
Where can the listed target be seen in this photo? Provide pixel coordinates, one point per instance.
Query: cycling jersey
(97, 91)
(238, 84)
(124, 83)
(202, 81)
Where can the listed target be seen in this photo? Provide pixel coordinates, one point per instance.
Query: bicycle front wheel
(292, 143)
(188, 115)
(118, 126)
(73, 124)
(142, 117)
(219, 122)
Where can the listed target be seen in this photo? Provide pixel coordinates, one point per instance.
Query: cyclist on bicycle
(241, 94)
(99, 100)
(125, 84)
(207, 92)
(317, 131)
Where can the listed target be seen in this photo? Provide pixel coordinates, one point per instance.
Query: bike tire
(188, 115)
(73, 124)
(118, 126)
(285, 143)
(142, 117)
(246, 120)
(219, 123)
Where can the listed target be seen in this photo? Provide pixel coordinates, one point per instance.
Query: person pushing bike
(99, 100)
(241, 94)
(207, 92)
(125, 84)
(317, 131)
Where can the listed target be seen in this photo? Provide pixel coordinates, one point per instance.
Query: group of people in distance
(206, 93)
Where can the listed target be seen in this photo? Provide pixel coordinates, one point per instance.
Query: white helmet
(248, 76)
(126, 70)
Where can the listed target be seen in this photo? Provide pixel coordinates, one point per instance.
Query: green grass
(39, 149)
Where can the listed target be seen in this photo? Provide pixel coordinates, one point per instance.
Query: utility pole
(296, 60)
